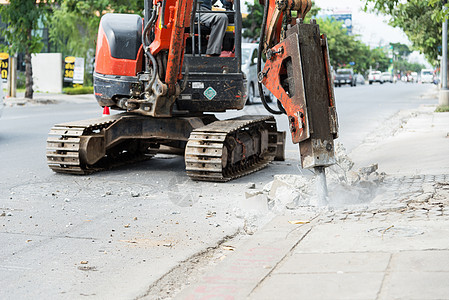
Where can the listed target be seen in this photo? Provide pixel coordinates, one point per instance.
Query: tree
(419, 19)
(22, 18)
(74, 24)
(400, 50)
(253, 22)
(348, 51)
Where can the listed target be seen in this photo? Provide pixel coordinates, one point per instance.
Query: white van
(427, 76)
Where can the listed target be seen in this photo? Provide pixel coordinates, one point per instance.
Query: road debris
(228, 248)
(211, 214)
(251, 186)
(135, 194)
(296, 222)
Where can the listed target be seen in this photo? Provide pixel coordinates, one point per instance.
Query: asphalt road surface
(113, 234)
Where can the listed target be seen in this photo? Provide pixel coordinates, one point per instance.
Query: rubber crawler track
(63, 148)
(204, 153)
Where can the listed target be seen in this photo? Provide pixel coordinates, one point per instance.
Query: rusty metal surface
(182, 12)
(318, 150)
(298, 74)
(276, 21)
(287, 85)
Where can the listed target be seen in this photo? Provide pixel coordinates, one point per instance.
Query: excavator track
(210, 155)
(64, 145)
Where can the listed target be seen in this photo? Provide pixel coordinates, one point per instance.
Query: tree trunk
(28, 72)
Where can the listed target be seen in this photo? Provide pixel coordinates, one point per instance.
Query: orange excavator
(155, 70)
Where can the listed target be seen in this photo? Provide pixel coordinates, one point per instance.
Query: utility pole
(12, 75)
(444, 92)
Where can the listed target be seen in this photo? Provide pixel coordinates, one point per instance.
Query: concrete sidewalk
(48, 98)
(396, 246)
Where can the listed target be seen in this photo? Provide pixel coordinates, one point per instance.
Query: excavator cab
(208, 84)
(214, 84)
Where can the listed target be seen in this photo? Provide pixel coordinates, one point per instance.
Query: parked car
(375, 76)
(386, 77)
(249, 67)
(345, 76)
(427, 76)
(359, 79)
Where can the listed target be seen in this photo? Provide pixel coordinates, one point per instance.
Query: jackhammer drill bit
(321, 186)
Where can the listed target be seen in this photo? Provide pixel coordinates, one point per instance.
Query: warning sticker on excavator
(197, 85)
(210, 93)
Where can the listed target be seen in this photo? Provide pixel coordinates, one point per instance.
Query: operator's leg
(218, 24)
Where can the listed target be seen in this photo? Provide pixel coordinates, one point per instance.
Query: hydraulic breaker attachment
(298, 74)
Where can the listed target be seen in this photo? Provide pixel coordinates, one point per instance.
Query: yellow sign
(69, 66)
(4, 62)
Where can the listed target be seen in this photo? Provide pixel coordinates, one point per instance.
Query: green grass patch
(442, 109)
(80, 90)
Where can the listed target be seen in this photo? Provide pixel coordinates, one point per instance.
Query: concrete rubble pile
(347, 188)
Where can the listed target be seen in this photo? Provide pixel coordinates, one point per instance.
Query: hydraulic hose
(259, 63)
(146, 44)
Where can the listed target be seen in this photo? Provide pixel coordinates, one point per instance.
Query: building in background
(344, 16)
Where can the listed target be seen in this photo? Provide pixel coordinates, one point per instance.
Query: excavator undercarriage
(214, 150)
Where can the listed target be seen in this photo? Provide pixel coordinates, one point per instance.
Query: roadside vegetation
(79, 90)
(442, 109)
(421, 21)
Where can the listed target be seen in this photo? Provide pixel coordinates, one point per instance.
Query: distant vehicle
(345, 76)
(413, 77)
(2, 97)
(427, 76)
(359, 79)
(386, 77)
(249, 67)
(375, 76)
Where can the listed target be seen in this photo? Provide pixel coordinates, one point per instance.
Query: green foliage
(78, 90)
(400, 50)
(419, 19)
(20, 80)
(405, 67)
(74, 25)
(22, 18)
(344, 49)
(253, 22)
(442, 109)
